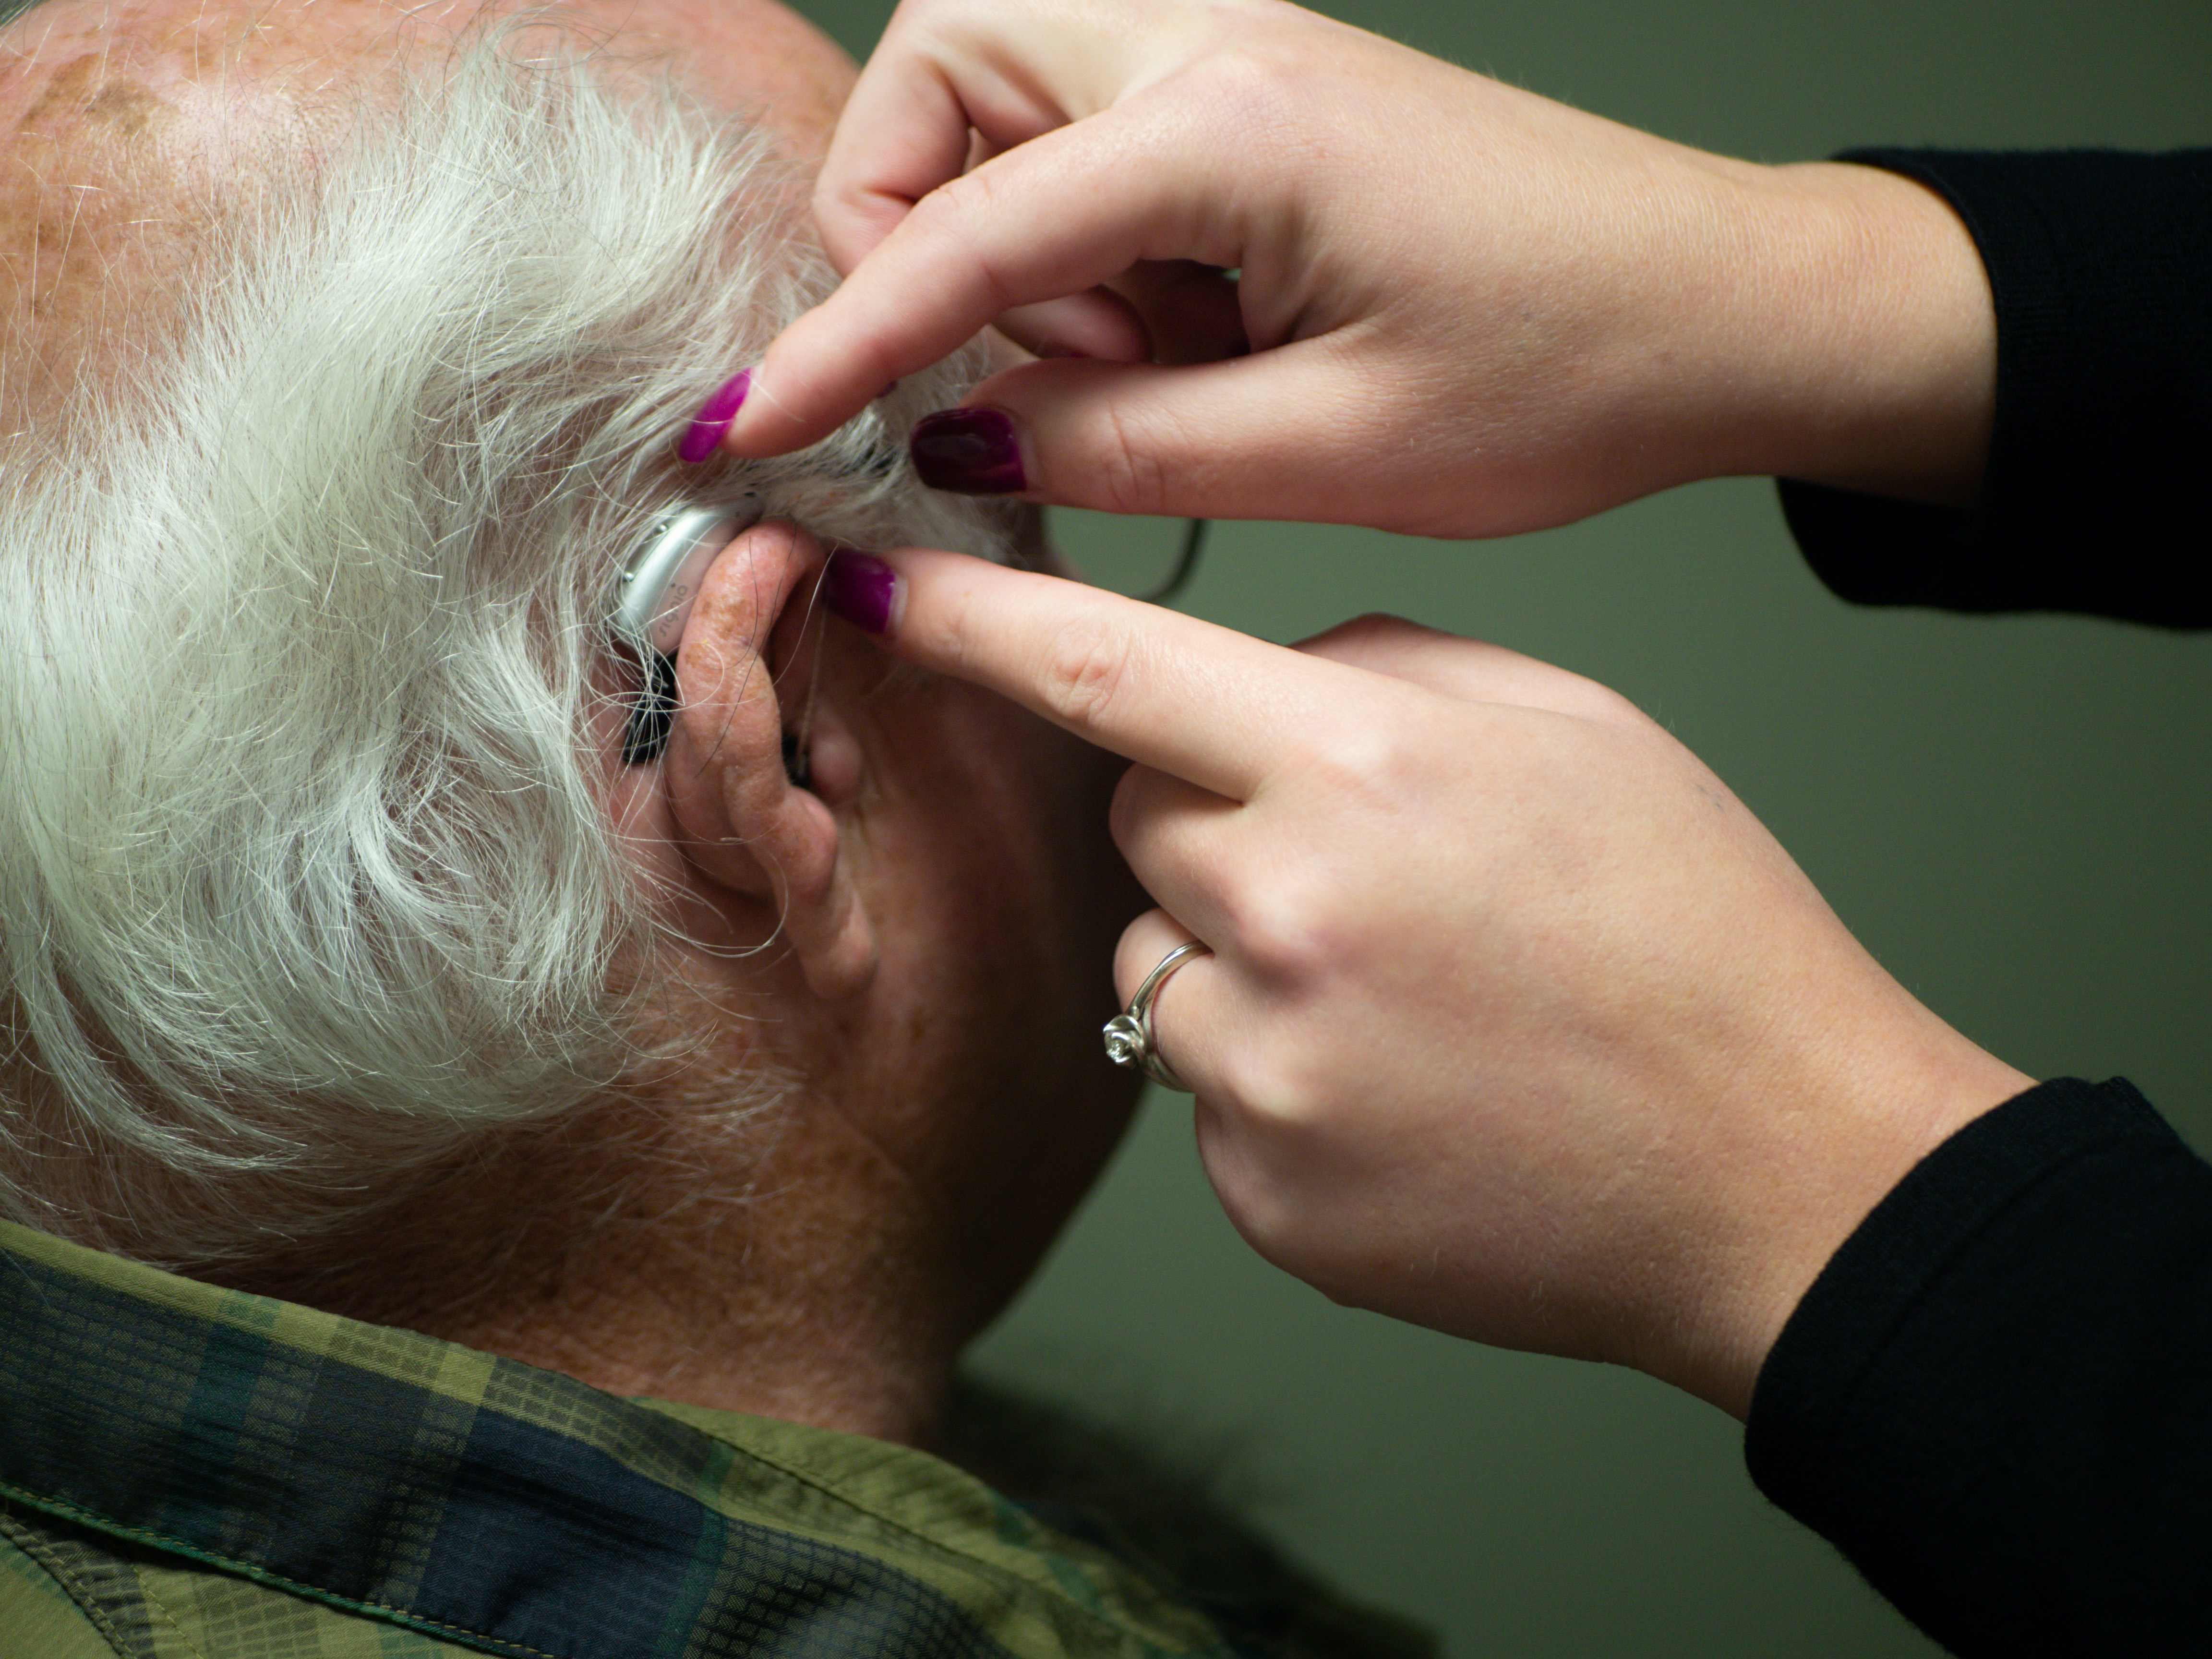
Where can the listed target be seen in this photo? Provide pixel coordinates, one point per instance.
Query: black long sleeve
(1997, 1399)
(2099, 488)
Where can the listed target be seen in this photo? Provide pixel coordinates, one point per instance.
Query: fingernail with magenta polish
(861, 588)
(969, 452)
(713, 421)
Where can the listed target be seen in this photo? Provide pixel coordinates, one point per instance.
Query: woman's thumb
(1280, 434)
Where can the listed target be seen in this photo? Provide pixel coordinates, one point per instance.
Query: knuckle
(1356, 763)
(1125, 813)
(954, 222)
(1585, 700)
(1284, 926)
(1373, 624)
(1567, 692)
(1086, 666)
(841, 214)
(1259, 96)
(1127, 474)
(1246, 84)
(1604, 704)
(1281, 1099)
(1370, 634)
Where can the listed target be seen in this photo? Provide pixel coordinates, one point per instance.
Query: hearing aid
(654, 600)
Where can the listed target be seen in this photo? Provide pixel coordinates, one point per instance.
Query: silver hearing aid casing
(663, 577)
(655, 597)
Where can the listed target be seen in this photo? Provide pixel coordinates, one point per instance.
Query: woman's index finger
(1205, 703)
(1044, 220)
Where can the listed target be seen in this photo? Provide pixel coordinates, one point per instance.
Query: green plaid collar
(506, 1509)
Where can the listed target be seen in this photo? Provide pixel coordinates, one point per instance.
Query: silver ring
(1129, 1040)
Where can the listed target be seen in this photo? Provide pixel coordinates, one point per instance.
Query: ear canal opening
(797, 765)
(651, 711)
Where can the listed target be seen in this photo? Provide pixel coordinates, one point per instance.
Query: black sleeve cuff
(2100, 264)
(1997, 1399)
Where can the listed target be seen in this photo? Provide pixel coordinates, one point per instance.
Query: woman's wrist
(1823, 321)
(1821, 1157)
(1861, 348)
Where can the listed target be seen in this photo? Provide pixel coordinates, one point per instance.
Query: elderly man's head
(345, 349)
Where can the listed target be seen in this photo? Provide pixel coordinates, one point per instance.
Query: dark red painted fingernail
(713, 421)
(969, 452)
(861, 588)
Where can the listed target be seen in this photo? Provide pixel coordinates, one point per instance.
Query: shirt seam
(79, 1593)
(86, 1516)
(1120, 1629)
(154, 1600)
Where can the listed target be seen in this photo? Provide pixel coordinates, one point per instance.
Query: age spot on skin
(125, 109)
(70, 90)
(88, 207)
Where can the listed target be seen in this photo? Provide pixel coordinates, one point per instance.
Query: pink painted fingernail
(713, 421)
(861, 588)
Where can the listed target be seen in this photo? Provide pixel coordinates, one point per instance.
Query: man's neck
(803, 1279)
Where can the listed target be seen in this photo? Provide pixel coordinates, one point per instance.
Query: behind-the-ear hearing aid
(653, 601)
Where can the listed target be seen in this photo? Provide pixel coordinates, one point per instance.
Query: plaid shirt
(190, 1473)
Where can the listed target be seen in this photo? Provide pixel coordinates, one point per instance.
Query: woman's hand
(1462, 309)
(1517, 1024)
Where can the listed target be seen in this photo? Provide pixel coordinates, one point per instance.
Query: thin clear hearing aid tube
(653, 601)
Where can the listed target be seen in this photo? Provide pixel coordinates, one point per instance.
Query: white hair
(305, 877)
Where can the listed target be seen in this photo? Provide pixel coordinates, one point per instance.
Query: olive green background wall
(2012, 814)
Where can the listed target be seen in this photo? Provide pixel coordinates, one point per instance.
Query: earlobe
(744, 825)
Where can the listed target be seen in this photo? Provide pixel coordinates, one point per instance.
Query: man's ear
(740, 820)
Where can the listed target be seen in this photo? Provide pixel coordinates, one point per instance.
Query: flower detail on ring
(1125, 1041)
